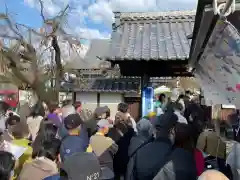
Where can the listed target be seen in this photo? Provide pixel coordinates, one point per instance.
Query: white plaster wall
(88, 99)
(27, 97)
(111, 100)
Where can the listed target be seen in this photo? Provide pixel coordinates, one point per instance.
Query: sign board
(218, 70)
(147, 100)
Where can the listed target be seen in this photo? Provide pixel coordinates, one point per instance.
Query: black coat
(121, 159)
(147, 161)
(180, 165)
(136, 142)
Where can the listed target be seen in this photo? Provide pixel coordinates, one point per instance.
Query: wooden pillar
(98, 99)
(74, 95)
(201, 98)
(145, 79)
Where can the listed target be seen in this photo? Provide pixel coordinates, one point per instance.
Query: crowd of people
(175, 143)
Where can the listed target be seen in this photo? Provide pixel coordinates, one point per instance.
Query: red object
(238, 87)
(230, 89)
(10, 96)
(199, 159)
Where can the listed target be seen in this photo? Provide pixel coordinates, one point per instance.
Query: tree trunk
(58, 73)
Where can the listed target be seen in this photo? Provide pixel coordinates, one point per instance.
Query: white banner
(218, 70)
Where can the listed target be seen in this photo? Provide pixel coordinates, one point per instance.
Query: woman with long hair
(46, 133)
(35, 119)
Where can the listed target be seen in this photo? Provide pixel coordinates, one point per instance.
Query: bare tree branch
(24, 51)
(10, 25)
(42, 9)
(15, 65)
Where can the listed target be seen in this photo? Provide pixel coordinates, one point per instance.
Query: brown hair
(184, 136)
(122, 122)
(19, 130)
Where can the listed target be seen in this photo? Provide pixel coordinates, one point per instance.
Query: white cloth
(233, 160)
(14, 113)
(181, 101)
(17, 151)
(159, 111)
(34, 125)
(134, 124)
(181, 118)
(2, 122)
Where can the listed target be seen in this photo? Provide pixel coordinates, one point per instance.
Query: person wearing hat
(150, 158)
(77, 139)
(66, 110)
(99, 113)
(80, 166)
(104, 147)
(144, 135)
(75, 168)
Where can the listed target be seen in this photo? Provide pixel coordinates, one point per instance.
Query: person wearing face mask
(149, 159)
(7, 163)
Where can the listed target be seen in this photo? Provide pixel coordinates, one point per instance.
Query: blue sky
(22, 13)
(89, 19)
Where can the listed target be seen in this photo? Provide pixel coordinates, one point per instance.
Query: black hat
(165, 121)
(101, 110)
(72, 121)
(82, 166)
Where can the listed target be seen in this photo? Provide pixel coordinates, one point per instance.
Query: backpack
(131, 173)
(155, 172)
(71, 145)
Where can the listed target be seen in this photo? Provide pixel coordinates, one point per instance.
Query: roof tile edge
(156, 14)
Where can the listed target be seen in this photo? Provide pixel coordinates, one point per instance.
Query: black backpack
(134, 171)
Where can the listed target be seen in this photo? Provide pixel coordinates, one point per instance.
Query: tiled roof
(152, 36)
(121, 85)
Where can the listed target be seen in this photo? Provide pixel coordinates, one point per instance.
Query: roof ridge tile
(156, 15)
